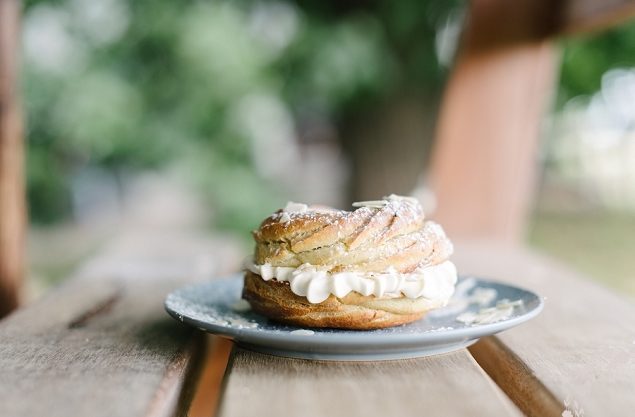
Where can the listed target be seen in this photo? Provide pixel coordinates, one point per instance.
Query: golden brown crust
(394, 234)
(275, 300)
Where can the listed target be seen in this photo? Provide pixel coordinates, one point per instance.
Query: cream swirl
(435, 282)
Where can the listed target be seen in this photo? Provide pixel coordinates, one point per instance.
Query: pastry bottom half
(276, 301)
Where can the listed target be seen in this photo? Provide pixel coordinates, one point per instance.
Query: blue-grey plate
(216, 307)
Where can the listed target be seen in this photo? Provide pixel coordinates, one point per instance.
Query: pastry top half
(378, 235)
(384, 249)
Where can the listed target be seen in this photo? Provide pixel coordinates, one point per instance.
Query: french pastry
(380, 265)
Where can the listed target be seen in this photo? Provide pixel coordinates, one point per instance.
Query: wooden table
(101, 345)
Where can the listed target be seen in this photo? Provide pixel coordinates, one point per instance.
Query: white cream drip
(434, 282)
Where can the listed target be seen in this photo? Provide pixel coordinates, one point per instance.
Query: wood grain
(101, 344)
(580, 349)
(12, 199)
(114, 364)
(445, 385)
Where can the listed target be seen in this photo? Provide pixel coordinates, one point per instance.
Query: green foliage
(586, 58)
(127, 85)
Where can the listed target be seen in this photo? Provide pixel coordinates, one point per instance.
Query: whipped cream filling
(435, 282)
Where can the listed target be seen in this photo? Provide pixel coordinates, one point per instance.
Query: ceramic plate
(479, 308)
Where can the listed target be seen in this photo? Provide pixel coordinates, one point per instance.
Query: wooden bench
(101, 345)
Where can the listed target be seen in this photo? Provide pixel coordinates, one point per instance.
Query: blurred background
(222, 111)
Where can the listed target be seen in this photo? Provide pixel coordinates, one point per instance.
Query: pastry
(377, 266)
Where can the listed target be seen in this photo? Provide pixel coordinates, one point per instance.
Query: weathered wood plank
(12, 199)
(581, 349)
(101, 344)
(445, 385)
(96, 347)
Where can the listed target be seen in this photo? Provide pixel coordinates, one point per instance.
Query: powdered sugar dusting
(241, 323)
(292, 207)
(241, 306)
(302, 332)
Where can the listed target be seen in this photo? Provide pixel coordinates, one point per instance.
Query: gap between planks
(176, 389)
(515, 378)
(210, 385)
